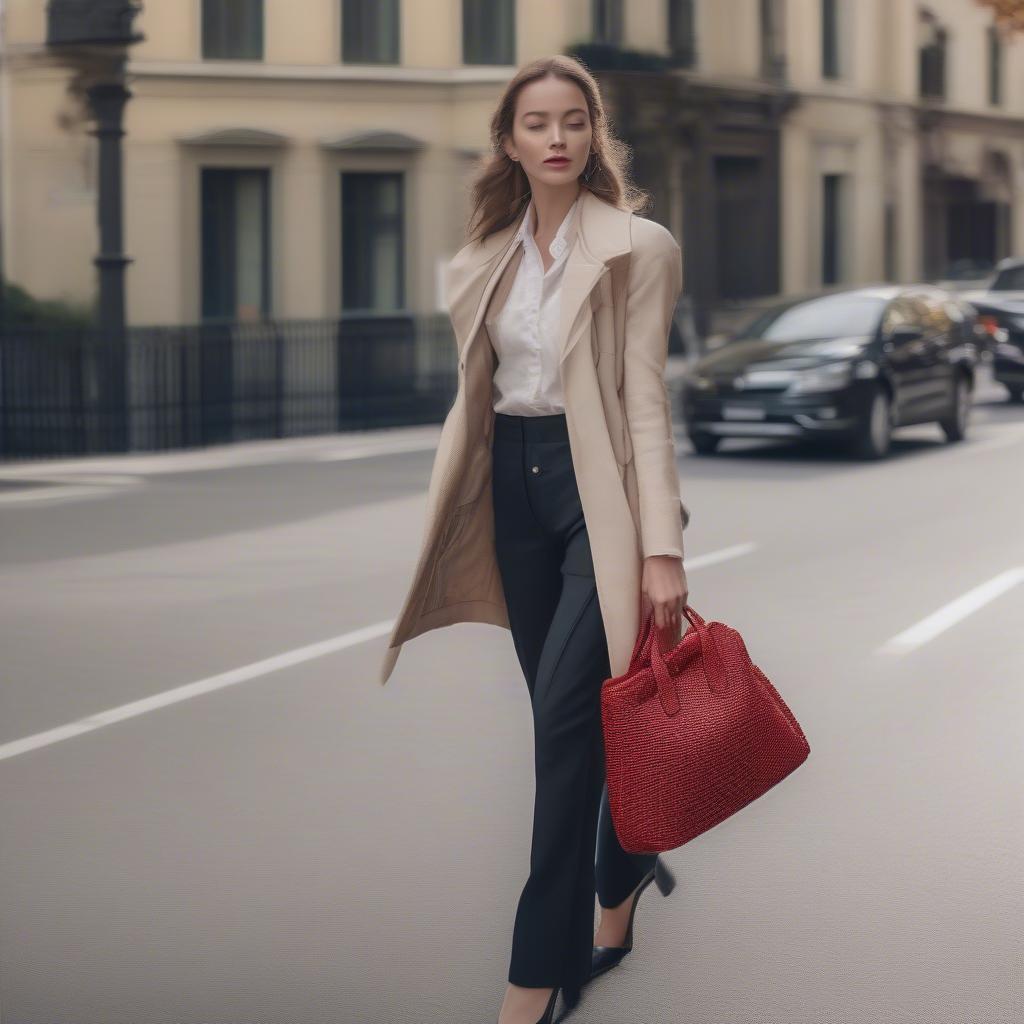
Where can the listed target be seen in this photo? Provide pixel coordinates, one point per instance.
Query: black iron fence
(72, 392)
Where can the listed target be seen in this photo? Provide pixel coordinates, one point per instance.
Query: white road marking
(189, 690)
(54, 495)
(950, 614)
(722, 555)
(67, 488)
(254, 671)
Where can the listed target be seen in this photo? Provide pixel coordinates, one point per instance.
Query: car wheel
(875, 431)
(1016, 394)
(954, 426)
(704, 444)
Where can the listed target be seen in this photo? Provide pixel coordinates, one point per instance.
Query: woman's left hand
(665, 590)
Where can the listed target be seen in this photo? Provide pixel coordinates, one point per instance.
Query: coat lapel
(472, 277)
(602, 233)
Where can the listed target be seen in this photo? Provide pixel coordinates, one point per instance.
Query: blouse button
(536, 469)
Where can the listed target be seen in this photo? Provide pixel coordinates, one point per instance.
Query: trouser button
(536, 469)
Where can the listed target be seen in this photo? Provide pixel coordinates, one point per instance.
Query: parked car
(966, 275)
(847, 365)
(1000, 309)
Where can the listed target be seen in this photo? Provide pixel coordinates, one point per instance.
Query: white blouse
(527, 379)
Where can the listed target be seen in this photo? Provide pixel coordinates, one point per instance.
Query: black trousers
(547, 575)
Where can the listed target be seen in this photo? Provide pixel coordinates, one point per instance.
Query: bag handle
(641, 649)
(649, 648)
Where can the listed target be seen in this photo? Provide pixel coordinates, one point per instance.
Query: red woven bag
(691, 736)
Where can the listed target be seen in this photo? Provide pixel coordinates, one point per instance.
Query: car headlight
(828, 377)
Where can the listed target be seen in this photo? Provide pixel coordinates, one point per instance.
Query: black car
(843, 365)
(1000, 310)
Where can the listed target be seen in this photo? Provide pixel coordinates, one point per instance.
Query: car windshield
(1009, 280)
(829, 316)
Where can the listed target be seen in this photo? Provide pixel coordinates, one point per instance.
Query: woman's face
(551, 120)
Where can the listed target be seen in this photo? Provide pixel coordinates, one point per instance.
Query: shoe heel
(663, 877)
(648, 878)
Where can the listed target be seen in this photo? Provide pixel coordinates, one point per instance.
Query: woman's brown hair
(500, 187)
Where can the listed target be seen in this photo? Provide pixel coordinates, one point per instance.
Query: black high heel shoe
(606, 957)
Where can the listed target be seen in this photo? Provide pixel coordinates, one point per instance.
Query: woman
(553, 508)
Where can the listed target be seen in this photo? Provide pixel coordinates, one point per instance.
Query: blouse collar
(560, 243)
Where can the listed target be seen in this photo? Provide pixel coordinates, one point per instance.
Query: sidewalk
(35, 473)
(220, 456)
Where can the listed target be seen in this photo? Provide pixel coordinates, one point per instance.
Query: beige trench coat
(622, 279)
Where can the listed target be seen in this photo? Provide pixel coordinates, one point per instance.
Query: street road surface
(213, 814)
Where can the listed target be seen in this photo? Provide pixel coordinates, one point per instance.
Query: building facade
(311, 160)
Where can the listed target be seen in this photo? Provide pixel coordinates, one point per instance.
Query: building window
(932, 56)
(773, 47)
(235, 230)
(370, 31)
(606, 16)
(682, 33)
(832, 228)
(233, 29)
(995, 66)
(488, 32)
(830, 39)
(372, 242)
